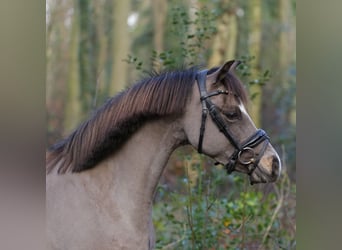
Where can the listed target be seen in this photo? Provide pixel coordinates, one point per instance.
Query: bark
(72, 107)
(272, 119)
(243, 27)
(224, 42)
(159, 18)
(87, 54)
(120, 45)
(254, 50)
(287, 57)
(57, 68)
(103, 11)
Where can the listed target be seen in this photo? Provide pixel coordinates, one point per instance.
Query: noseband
(245, 148)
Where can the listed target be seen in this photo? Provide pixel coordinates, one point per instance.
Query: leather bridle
(245, 148)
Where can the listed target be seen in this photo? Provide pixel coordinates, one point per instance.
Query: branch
(280, 194)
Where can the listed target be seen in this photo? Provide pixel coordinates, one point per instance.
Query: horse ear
(219, 74)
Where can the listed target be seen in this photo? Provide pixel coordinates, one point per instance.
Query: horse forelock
(112, 124)
(234, 85)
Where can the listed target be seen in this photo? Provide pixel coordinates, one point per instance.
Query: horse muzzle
(261, 175)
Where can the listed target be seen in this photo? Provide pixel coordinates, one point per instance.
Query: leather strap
(207, 106)
(201, 79)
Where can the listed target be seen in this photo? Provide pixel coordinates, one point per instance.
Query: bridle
(245, 148)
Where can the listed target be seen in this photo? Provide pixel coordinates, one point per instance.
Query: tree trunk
(272, 119)
(243, 27)
(103, 12)
(57, 55)
(87, 55)
(120, 45)
(254, 50)
(159, 9)
(72, 112)
(159, 16)
(224, 42)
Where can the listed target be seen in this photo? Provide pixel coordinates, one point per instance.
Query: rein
(245, 148)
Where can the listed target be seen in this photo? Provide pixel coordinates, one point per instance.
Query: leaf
(226, 222)
(267, 72)
(254, 95)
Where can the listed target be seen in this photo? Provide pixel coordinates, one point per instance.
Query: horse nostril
(275, 166)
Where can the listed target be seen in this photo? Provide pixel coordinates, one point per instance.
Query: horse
(101, 179)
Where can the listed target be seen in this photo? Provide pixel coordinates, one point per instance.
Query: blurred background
(94, 49)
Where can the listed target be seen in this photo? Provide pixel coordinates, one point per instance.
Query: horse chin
(258, 176)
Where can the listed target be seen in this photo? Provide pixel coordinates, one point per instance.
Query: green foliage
(190, 34)
(201, 216)
(245, 71)
(133, 60)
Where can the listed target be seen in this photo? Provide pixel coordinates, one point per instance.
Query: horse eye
(233, 115)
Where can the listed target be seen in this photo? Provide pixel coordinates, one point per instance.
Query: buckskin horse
(101, 179)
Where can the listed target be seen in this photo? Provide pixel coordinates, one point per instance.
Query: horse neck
(131, 175)
(143, 158)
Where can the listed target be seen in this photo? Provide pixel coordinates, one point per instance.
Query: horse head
(217, 124)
